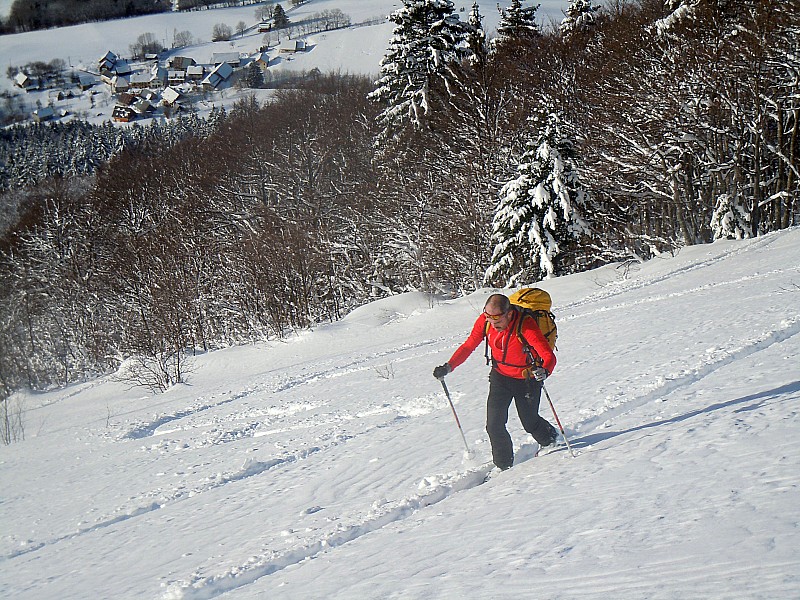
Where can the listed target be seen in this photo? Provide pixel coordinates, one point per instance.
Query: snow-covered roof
(170, 95)
(218, 75)
(293, 46)
(121, 67)
(141, 78)
(225, 57)
(41, 114)
(22, 80)
(119, 83)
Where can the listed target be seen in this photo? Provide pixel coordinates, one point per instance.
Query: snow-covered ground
(329, 465)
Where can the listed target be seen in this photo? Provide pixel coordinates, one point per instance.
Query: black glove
(441, 371)
(539, 373)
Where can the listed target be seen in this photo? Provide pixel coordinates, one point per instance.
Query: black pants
(526, 394)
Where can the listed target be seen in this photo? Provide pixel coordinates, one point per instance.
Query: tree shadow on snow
(756, 401)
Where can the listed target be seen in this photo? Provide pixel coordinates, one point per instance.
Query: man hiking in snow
(516, 374)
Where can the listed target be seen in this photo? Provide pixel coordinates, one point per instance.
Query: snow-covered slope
(329, 465)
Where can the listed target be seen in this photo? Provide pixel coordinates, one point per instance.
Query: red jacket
(506, 343)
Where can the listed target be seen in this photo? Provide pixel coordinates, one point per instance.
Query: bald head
(497, 303)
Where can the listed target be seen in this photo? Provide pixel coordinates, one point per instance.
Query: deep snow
(329, 465)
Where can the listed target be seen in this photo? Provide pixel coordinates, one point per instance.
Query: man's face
(496, 317)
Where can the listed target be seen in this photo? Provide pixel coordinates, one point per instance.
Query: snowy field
(329, 465)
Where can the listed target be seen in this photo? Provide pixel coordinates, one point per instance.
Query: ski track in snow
(625, 286)
(665, 386)
(672, 295)
(381, 515)
(435, 489)
(150, 429)
(250, 468)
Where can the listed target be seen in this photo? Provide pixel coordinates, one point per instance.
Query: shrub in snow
(731, 220)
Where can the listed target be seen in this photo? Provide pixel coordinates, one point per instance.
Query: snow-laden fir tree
(428, 36)
(579, 17)
(731, 220)
(517, 22)
(539, 221)
(476, 36)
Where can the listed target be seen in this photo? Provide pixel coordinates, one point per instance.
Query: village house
(292, 46)
(126, 99)
(110, 65)
(175, 77)
(106, 62)
(218, 76)
(43, 114)
(142, 107)
(261, 59)
(195, 73)
(231, 58)
(122, 68)
(86, 80)
(170, 96)
(119, 84)
(123, 114)
(140, 80)
(158, 76)
(180, 63)
(148, 94)
(24, 82)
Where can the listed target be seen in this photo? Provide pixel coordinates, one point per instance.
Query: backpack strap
(518, 328)
(526, 347)
(486, 343)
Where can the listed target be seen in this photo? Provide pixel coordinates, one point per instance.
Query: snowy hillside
(354, 50)
(330, 466)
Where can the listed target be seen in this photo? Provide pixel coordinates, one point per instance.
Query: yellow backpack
(536, 303)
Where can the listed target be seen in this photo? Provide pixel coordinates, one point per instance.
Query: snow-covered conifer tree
(517, 23)
(428, 36)
(279, 18)
(539, 219)
(476, 36)
(579, 17)
(731, 220)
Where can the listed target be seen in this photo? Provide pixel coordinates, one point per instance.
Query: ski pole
(553, 408)
(455, 414)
